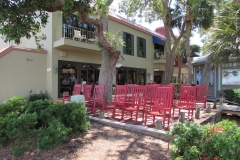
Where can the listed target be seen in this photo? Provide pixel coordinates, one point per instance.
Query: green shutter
(124, 40)
(132, 45)
(144, 48)
(138, 43)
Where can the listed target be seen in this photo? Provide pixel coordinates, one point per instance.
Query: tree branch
(100, 35)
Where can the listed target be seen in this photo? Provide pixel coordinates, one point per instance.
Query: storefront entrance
(75, 72)
(127, 75)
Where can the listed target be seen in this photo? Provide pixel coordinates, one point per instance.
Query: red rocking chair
(187, 101)
(201, 94)
(162, 106)
(76, 91)
(138, 103)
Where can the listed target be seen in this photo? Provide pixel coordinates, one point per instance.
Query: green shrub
(39, 123)
(15, 104)
(229, 94)
(50, 136)
(34, 97)
(72, 115)
(222, 140)
(237, 93)
(194, 141)
(186, 145)
(232, 95)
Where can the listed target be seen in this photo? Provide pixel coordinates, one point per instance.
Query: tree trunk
(188, 51)
(169, 67)
(179, 69)
(108, 67)
(107, 72)
(207, 71)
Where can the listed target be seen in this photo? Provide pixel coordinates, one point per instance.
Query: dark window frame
(129, 45)
(141, 47)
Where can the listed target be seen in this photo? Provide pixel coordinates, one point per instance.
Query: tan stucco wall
(19, 76)
(134, 61)
(53, 20)
(183, 70)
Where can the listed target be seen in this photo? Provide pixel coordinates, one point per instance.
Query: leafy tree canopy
(224, 39)
(24, 18)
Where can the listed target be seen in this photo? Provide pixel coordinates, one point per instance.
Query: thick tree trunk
(169, 67)
(169, 47)
(107, 72)
(108, 67)
(188, 51)
(207, 71)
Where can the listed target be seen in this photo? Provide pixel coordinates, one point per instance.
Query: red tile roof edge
(7, 50)
(135, 25)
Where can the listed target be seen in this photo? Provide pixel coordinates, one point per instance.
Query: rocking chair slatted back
(77, 89)
(98, 97)
(201, 94)
(120, 94)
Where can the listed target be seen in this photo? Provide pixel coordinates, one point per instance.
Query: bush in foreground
(40, 123)
(214, 141)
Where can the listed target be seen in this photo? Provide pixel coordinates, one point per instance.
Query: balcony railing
(76, 34)
(158, 55)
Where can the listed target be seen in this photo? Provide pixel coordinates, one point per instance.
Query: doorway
(71, 73)
(68, 76)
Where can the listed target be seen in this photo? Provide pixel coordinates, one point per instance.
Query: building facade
(71, 56)
(224, 76)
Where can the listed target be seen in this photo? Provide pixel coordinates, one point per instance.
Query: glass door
(68, 76)
(121, 76)
(141, 77)
(132, 76)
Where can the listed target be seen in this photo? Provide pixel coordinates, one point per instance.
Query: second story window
(129, 43)
(158, 51)
(141, 47)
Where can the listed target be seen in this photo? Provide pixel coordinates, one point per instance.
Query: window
(158, 51)
(141, 76)
(141, 47)
(127, 75)
(129, 43)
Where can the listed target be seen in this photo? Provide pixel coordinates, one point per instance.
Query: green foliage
(187, 143)
(15, 104)
(72, 115)
(232, 95)
(25, 18)
(39, 123)
(51, 135)
(223, 41)
(194, 141)
(222, 139)
(114, 40)
(34, 97)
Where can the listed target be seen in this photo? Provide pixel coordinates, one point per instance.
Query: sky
(195, 39)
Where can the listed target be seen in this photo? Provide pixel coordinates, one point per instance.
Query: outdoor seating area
(79, 34)
(143, 104)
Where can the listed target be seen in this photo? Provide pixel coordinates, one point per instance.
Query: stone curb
(160, 134)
